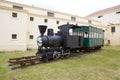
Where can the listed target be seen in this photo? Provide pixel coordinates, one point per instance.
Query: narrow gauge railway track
(32, 60)
(22, 61)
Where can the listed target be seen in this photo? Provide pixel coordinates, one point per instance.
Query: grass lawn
(100, 65)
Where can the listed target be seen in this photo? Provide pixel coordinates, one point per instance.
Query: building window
(31, 18)
(73, 18)
(112, 29)
(57, 22)
(14, 14)
(14, 36)
(89, 22)
(45, 20)
(17, 7)
(118, 12)
(31, 37)
(50, 14)
(67, 22)
(100, 16)
(108, 42)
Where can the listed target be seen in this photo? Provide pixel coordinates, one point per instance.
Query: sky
(76, 7)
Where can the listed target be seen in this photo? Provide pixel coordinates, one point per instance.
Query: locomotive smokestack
(42, 29)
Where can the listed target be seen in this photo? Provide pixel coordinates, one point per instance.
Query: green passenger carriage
(92, 37)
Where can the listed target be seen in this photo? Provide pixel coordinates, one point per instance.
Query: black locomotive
(69, 37)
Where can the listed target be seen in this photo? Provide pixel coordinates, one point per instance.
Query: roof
(104, 11)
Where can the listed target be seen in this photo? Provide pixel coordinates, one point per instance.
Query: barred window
(57, 22)
(100, 16)
(73, 18)
(17, 7)
(112, 29)
(31, 18)
(89, 22)
(31, 37)
(14, 14)
(118, 12)
(45, 20)
(50, 14)
(14, 36)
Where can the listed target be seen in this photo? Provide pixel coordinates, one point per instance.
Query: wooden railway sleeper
(24, 60)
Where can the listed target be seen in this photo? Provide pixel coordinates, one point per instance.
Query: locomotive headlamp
(39, 41)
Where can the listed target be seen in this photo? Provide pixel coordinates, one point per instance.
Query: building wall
(113, 38)
(11, 25)
(26, 30)
(109, 18)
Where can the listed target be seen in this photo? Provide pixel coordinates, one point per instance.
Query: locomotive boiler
(50, 40)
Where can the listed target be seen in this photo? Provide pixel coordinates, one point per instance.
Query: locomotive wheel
(56, 55)
(67, 54)
(45, 58)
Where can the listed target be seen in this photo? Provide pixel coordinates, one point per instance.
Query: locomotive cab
(70, 40)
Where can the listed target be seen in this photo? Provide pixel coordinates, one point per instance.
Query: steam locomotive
(69, 38)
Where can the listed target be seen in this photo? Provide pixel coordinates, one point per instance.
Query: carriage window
(95, 35)
(80, 34)
(70, 32)
(86, 34)
(75, 33)
(99, 35)
(92, 35)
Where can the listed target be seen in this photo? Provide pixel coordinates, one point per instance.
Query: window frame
(14, 36)
(57, 22)
(45, 20)
(31, 18)
(50, 14)
(17, 7)
(113, 29)
(73, 18)
(100, 16)
(14, 14)
(31, 36)
(118, 12)
(89, 22)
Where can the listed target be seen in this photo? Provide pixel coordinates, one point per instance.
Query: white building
(111, 18)
(19, 24)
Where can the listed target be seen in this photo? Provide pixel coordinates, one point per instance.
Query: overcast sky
(76, 7)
